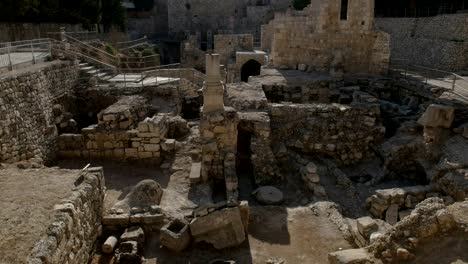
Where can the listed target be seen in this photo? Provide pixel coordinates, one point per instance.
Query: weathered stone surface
(175, 235)
(222, 229)
(134, 233)
(438, 116)
(391, 216)
(350, 256)
(269, 195)
(144, 195)
(195, 173)
(366, 226)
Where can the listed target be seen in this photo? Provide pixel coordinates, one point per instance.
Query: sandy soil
(295, 235)
(27, 198)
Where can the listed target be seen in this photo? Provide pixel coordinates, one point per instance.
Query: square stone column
(213, 90)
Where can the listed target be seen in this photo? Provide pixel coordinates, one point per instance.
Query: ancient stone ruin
(308, 146)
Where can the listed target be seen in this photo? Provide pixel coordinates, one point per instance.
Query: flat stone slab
(269, 195)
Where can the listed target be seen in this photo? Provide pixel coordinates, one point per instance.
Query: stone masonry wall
(26, 98)
(71, 236)
(227, 45)
(145, 143)
(318, 38)
(440, 42)
(346, 133)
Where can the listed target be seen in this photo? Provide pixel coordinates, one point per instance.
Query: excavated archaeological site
(310, 147)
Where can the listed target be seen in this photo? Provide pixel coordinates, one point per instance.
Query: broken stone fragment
(109, 245)
(144, 195)
(391, 216)
(222, 229)
(438, 116)
(366, 225)
(350, 256)
(134, 233)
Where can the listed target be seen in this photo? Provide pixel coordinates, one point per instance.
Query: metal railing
(452, 82)
(132, 43)
(16, 54)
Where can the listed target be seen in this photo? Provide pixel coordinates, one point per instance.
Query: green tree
(300, 4)
(146, 5)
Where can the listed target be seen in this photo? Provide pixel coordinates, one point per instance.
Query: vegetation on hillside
(86, 12)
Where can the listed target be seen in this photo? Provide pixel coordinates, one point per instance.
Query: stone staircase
(100, 74)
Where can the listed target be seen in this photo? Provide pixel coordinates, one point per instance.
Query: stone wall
(26, 99)
(228, 16)
(25, 31)
(227, 45)
(70, 238)
(318, 38)
(144, 143)
(346, 133)
(439, 42)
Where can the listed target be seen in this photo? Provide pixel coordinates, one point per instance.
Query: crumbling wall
(26, 100)
(441, 40)
(71, 236)
(317, 37)
(346, 133)
(145, 142)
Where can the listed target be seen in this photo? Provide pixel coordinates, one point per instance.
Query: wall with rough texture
(26, 98)
(71, 236)
(228, 16)
(346, 133)
(25, 31)
(439, 42)
(144, 143)
(318, 38)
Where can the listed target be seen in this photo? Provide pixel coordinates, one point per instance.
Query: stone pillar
(218, 130)
(213, 90)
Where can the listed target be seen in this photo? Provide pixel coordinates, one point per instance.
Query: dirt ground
(27, 198)
(295, 235)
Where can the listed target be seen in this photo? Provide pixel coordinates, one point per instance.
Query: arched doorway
(250, 68)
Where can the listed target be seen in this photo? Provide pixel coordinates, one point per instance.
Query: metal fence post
(454, 82)
(10, 66)
(32, 53)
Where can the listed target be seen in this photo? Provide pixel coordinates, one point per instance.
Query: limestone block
(195, 173)
(391, 216)
(168, 144)
(438, 116)
(404, 213)
(222, 229)
(151, 147)
(350, 256)
(134, 233)
(175, 235)
(366, 226)
(145, 194)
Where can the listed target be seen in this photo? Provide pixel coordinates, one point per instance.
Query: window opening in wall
(344, 10)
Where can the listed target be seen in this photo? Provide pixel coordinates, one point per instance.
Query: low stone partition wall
(145, 142)
(70, 238)
(314, 91)
(347, 133)
(26, 102)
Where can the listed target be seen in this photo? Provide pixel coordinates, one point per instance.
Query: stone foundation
(77, 223)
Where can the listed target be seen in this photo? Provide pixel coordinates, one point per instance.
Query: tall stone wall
(229, 16)
(227, 45)
(26, 98)
(317, 37)
(440, 41)
(70, 238)
(345, 133)
(25, 31)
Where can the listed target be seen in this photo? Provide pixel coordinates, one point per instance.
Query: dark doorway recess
(250, 68)
(244, 167)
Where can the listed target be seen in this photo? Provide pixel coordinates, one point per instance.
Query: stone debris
(145, 194)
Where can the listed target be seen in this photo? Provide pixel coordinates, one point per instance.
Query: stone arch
(250, 68)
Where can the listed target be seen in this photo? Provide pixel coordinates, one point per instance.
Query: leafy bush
(147, 52)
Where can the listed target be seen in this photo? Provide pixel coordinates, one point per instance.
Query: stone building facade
(329, 34)
(26, 109)
(438, 42)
